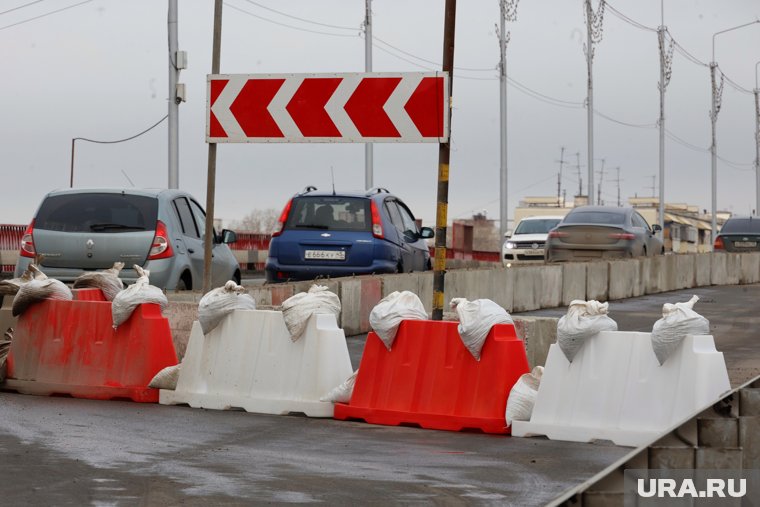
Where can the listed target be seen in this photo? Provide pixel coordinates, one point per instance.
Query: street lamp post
(714, 110)
(757, 143)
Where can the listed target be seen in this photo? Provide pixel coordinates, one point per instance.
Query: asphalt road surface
(63, 451)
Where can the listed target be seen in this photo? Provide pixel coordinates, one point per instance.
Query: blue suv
(328, 234)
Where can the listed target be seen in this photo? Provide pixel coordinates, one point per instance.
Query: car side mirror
(508, 234)
(427, 233)
(656, 228)
(228, 236)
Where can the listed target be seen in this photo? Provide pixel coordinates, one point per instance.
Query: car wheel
(236, 277)
(644, 252)
(185, 282)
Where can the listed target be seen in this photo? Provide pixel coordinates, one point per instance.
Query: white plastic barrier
(616, 390)
(250, 362)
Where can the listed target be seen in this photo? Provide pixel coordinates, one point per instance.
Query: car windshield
(595, 217)
(741, 225)
(97, 213)
(329, 212)
(540, 226)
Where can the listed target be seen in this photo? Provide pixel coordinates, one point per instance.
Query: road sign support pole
(439, 267)
(368, 147)
(173, 105)
(211, 181)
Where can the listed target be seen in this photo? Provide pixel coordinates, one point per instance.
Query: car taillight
(558, 234)
(161, 248)
(27, 242)
(718, 245)
(377, 224)
(280, 225)
(622, 235)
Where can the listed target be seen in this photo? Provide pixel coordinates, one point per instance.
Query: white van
(527, 242)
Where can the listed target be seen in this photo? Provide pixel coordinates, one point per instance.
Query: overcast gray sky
(99, 70)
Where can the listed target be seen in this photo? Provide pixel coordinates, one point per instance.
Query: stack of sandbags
(107, 281)
(136, 294)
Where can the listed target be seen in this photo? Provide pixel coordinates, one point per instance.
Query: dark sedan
(596, 232)
(739, 235)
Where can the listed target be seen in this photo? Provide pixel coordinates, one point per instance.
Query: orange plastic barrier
(431, 380)
(71, 348)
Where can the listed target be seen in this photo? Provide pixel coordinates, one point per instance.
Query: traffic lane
(731, 309)
(66, 451)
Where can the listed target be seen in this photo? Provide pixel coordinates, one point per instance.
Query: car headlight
(509, 245)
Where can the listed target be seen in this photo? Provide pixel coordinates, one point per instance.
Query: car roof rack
(377, 190)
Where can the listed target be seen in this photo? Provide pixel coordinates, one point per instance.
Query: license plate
(745, 244)
(333, 255)
(538, 251)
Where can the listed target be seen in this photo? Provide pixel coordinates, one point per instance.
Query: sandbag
(166, 378)
(476, 318)
(677, 321)
(220, 302)
(522, 396)
(5, 348)
(39, 290)
(138, 293)
(11, 287)
(388, 313)
(343, 392)
(107, 281)
(297, 309)
(584, 319)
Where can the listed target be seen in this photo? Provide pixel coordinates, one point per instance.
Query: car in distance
(329, 234)
(739, 234)
(596, 232)
(79, 230)
(527, 242)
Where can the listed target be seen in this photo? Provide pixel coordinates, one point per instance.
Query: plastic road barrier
(429, 379)
(616, 390)
(70, 347)
(249, 361)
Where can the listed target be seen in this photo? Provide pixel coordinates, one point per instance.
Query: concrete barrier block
(661, 276)
(419, 283)
(718, 273)
(495, 284)
(550, 288)
(358, 296)
(685, 271)
(615, 389)
(624, 278)
(262, 295)
(250, 362)
(733, 268)
(597, 280)
(750, 268)
(573, 282)
(528, 286)
(538, 333)
(332, 285)
(281, 292)
(702, 269)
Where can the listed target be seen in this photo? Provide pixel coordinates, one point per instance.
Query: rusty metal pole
(441, 218)
(211, 181)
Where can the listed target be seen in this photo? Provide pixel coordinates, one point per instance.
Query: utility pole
(666, 61)
(580, 178)
(559, 175)
(368, 147)
(594, 21)
(654, 184)
(211, 180)
(173, 103)
(757, 143)
(508, 12)
(618, 185)
(599, 188)
(444, 152)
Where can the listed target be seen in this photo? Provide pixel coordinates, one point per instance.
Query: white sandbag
(11, 287)
(476, 318)
(523, 395)
(166, 378)
(107, 281)
(583, 320)
(343, 392)
(39, 290)
(388, 313)
(297, 309)
(220, 302)
(138, 293)
(677, 321)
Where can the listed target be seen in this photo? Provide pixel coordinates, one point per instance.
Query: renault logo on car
(90, 243)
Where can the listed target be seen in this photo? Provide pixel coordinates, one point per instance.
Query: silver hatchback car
(80, 230)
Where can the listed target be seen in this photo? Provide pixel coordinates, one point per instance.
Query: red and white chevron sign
(406, 107)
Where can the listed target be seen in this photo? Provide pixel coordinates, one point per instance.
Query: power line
(682, 51)
(338, 27)
(687, 144)
(44, 15)
(21, 7)
(735, 85)
(375, 38)
(635, 125)
(126, 138)
(285, 24)
(628, 20)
